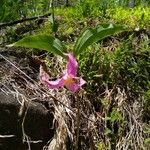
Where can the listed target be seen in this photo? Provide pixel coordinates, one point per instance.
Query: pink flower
(69, 78)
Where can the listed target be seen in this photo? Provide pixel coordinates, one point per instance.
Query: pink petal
(55, 84)
(52, 84)
(72, 65)
(82, 82)
(44, 77)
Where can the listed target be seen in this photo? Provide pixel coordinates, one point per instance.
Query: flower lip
(69, 80)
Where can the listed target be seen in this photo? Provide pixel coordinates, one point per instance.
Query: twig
(78, 123)
(6, 136)
(25, 137)
(23, 20)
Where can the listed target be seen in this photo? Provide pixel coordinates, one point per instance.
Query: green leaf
(44, 42)
(115, 115)
(69, 30)
(107, 131)
(147, 141)
(90, 36)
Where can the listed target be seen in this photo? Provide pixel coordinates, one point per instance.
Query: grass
(131, 17)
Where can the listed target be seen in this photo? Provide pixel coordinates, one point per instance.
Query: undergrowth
(118, 75)
(137, 17)
(117, 71)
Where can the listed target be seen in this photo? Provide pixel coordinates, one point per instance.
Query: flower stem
(78, 123)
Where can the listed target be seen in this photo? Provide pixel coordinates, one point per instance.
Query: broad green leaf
(90, 36)
(44, 42)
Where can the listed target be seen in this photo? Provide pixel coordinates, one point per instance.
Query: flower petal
(82, 82)
(72, 65)
(52, 84)
(73, 87)
(55, 84)
(76, 86)
(44, 78)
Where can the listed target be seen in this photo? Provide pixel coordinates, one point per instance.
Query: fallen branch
(23, 20)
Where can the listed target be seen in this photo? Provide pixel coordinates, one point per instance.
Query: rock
(38, 122)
